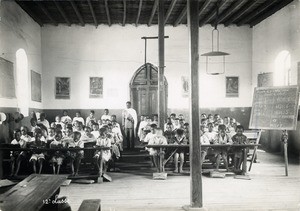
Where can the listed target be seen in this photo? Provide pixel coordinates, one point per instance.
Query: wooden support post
(161, 55)
(285, 141)
(196, 198)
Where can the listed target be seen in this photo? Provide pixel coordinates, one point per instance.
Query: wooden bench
(90, 205)
(32, 193)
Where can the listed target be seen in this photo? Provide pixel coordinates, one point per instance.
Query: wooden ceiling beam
(47, 13)
(124, 12)
(93, 13)
(235, 16)
(75, 8)
(204, 6)
(212, 14)
(232, 9)
(139, 13)
(256, 12)
(170, 9)
(154, 8)
(107, 12)
(62, 12)
(270, 12)
(30, 13)
(181, 16)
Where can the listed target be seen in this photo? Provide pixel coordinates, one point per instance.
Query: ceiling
(144, 12)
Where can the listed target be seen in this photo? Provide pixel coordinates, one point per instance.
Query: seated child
(151, 134)
(102, 156)
(239, 138)
(57, 157)
(33, 123)
(75, 156)
(87, 135)
(158, 139)
(222, 138)
(142, 125)
(24, 134)
(176, 124)
(203, 140)
(210, 134)
(50, 137)
(186, 128)
(16, 156)
(169, 133)
(37, 156)
(66, 119)
(95, 131)
(58, 121)
(116, 141)
(180, 140)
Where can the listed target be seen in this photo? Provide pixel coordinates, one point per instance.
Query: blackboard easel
(276, 108)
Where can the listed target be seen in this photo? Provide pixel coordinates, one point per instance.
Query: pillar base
(189, 208)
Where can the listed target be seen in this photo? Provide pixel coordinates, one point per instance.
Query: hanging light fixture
(215, 59)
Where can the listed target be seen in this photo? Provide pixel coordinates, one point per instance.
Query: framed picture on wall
(36, 86)
(265, 79)
(62, 88)
(185, 86)
(96, 87)
(232, 86)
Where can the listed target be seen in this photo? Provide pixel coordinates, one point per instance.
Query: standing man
(129, 123)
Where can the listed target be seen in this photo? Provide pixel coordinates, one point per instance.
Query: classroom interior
(47, 41)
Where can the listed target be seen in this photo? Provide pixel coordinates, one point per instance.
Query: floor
(268, 189)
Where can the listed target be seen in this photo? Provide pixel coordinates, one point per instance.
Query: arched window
(22, 81)
(283, 69)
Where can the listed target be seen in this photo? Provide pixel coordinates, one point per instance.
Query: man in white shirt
(129, 123)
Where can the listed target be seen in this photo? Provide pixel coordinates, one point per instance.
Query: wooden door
(144, 90)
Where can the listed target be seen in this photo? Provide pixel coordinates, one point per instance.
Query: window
(22, 81)
(283, 69)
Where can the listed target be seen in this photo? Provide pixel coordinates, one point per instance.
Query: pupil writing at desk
(179, 139)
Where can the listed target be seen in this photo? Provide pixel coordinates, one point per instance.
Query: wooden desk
(174, 148)
(10, 147)
(31, 193)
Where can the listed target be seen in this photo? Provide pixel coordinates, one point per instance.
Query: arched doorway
(144, 90)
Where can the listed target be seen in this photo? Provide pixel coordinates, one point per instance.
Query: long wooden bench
(32, 193)
(90, 205)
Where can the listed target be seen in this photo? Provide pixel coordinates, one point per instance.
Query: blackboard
(7, 80)
(275, 108)
(36, 86)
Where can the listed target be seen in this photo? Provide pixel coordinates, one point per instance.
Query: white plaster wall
(279, 32)
(18, 30)
(116, 52)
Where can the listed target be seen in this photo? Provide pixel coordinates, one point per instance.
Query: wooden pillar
(161, 55)
(195, 147)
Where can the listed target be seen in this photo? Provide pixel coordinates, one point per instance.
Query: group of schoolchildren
(213, 130)
(67, 133)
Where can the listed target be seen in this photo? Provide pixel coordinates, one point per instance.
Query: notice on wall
(275, 108)
(7, 80)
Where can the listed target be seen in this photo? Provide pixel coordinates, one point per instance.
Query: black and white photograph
(149, 105)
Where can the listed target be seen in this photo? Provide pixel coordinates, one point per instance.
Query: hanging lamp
(215, 59)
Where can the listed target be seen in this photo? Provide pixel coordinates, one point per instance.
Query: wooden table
(174, 148)
(31, 193)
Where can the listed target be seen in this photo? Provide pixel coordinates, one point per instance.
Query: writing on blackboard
(275, 108)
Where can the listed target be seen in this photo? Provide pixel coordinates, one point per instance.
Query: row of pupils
(105, 136)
